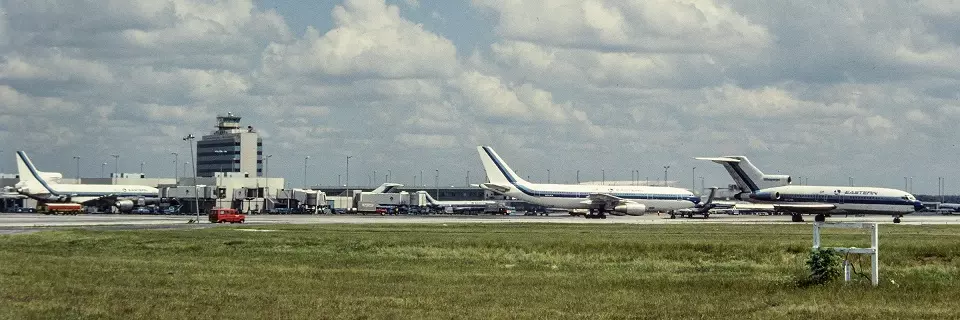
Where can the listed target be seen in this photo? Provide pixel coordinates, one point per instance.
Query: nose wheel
(896, 219)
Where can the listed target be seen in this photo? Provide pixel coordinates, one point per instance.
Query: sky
(831, 91)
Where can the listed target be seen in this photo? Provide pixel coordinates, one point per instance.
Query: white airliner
(459, 204)
(599, 200)
(776, 190)
(35, 184)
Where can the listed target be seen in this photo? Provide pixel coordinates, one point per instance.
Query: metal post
(436, 181)
(468, 179)
(78, 168)
(116, 159)
(176, 167)
(196, 196)
(875, 257)
(348, 174)
(548, 175)
(816, 235)
(141, 168)
(103, 165)
(665, 168)
(578, 176)
(702, 185)
(305, 171)
(603, 177)
(693, 180)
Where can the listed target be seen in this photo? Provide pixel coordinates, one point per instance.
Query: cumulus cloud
(581, 85)
(370, 40)
(661, 25)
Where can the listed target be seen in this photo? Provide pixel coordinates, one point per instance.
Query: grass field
(469, 271)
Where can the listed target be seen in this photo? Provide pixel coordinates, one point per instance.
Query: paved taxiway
(15, 223)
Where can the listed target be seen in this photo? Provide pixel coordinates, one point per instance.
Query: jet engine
(633, 209)
(775, 180)
(124, 205)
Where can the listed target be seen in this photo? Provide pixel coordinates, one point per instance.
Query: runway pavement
(19, 222)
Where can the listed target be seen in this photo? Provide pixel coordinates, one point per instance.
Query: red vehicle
(221, 215)
(60, 208)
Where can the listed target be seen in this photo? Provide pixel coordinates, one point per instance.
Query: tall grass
(469, 271)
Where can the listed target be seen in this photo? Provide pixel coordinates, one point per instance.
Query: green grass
(469, 271)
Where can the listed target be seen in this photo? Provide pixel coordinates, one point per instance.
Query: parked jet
(777, 191)
(599, 200)
(459, 204)
(35, 184)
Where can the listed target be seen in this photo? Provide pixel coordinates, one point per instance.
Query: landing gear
(820, 218)
(796, 217)
(896, 219)
(595, 214)
(673, 215)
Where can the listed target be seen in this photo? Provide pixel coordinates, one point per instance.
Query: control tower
(230, 148)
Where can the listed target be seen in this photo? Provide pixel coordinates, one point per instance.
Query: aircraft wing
(495, 187)
(607, 200)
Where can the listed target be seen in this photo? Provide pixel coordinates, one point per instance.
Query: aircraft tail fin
(23, 168)
(743, 179)
(498, 172)
(747, 176)
(29, 175)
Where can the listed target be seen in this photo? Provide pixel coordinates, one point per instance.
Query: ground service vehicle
(61, 208)
(221, 215)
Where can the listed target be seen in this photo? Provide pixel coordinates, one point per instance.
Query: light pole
(102, 165)
(196, 197)
(578, 176)
(702, 185)
(78, 167)
(176, 167)
(305, 171)
(548, 175)
(116, 159)
(421, 179)
(603, 177)
(436, 182)
(850, 180)
(904, 183)
(665, 168)
(141, 168)
(348, 174)
(468, 178)
(693, 180)
(373, 180)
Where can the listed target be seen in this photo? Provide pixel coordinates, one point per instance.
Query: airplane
(597, 199)
(699, 209)
(460, 204)
(35, 184)
(777, 191)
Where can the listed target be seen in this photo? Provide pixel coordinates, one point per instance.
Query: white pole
(875, 257)
(816, 236)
